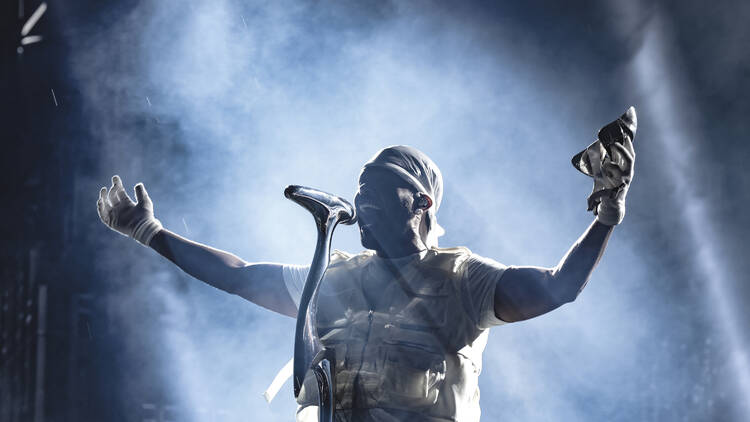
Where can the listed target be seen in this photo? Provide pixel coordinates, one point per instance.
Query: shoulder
(345, 266)
(345, 259)
(448, 261)
(456, 250)
(344, 273)
(461, 260)
(456, 255)
(478, 266)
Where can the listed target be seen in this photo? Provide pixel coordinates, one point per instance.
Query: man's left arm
(525, 292)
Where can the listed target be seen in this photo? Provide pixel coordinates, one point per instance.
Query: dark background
(501, 94)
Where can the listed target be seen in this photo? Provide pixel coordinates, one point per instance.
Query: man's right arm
(260, 283)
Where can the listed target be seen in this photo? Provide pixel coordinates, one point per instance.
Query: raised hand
(612, 174)
(126, 217)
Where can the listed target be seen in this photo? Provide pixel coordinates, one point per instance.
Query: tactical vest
(400, 335)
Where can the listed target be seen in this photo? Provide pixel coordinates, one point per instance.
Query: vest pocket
(423, 313)
(411, 378)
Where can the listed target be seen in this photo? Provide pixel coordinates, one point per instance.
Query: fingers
(121, 194)
(624, 157)
(614, 157)
(626, 152)
(614, 173)
(102, 196)
(629, 145)
(117, 192)
(142, 196)
(595, 153)
(113, 197)
(101, 206)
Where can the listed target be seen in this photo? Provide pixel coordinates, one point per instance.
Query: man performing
(406, 320)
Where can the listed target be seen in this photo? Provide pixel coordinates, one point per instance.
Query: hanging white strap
(284, 374)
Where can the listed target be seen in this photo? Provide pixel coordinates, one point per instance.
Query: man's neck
(400, 250)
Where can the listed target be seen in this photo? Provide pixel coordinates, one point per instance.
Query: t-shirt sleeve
(296, 275)
(294, 279)
(480, 280)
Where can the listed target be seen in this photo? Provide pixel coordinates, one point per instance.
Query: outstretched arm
(261, 283)
(526, 292)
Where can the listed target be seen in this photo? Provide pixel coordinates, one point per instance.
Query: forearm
(210, 265)
(572, 273)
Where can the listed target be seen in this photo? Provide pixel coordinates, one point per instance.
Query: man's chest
(376, 306)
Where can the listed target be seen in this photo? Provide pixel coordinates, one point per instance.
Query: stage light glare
(658, 72)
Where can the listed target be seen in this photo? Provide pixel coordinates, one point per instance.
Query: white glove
(124, 216)
(612, 177)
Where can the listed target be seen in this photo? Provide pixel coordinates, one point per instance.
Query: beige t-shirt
(475, 283)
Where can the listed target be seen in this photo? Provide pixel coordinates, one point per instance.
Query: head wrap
(417, 169)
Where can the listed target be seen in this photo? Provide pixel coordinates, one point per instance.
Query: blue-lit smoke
(658, 72)
(217, 105)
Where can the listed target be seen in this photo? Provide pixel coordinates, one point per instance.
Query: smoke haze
(218, 105)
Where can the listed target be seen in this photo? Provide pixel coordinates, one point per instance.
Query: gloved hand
(124, 216)
(612, 176)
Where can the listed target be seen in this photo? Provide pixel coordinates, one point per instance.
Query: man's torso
(402, 339)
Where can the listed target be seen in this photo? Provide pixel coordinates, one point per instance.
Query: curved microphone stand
(309, 354)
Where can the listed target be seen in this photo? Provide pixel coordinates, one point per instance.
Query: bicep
(526, 292)
(263, 284)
